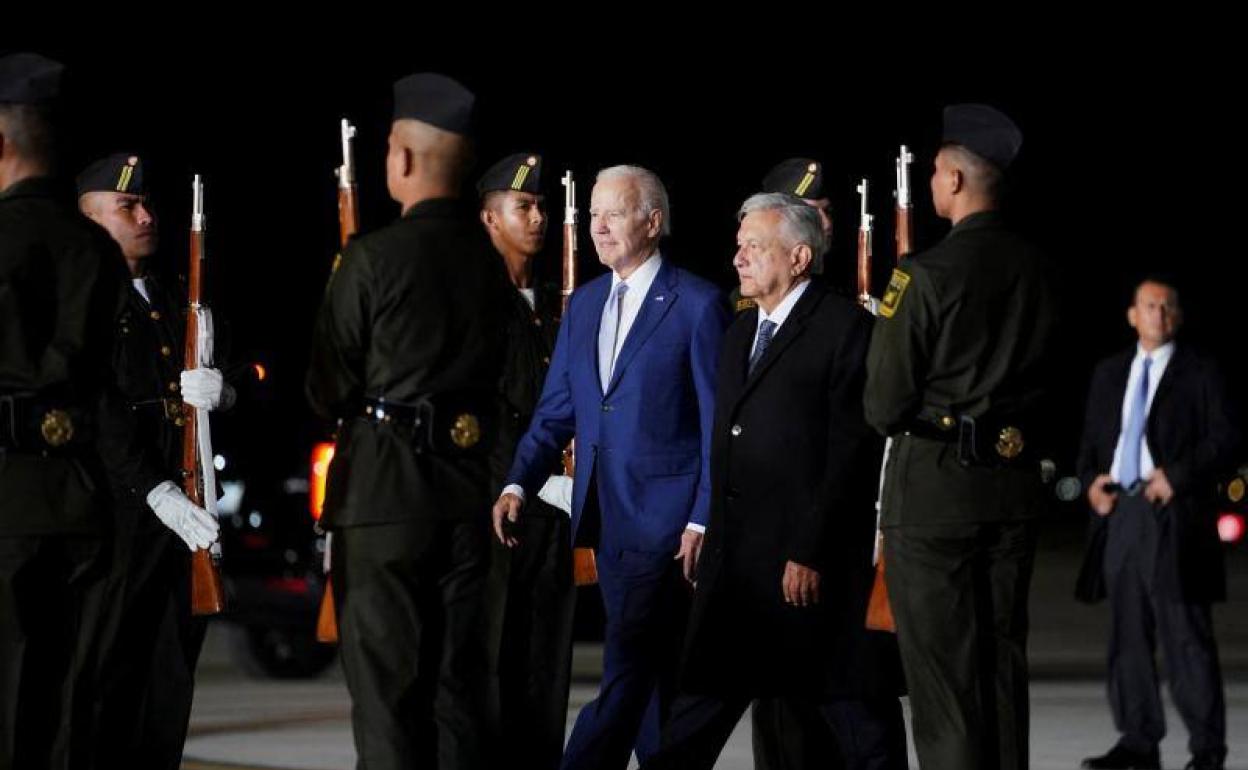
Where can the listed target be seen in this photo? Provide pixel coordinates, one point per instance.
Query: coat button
(736, 430)
(173, 387)
(155, 315)
(607, 407)
(165, 351)
(546, 360)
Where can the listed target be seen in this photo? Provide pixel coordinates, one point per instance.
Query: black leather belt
(455, 423)
(981, 441)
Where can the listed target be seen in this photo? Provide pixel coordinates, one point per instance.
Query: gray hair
(799, 221)
(649, 187)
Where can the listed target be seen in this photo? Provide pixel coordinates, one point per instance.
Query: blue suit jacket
(649, 435)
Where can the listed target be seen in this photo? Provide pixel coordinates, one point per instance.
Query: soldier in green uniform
(531, 596)
(151, 642)
(407, 355)
(60, 281)
(957, 376)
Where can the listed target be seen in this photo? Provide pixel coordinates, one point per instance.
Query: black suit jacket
(794, 469)
(1192, 435)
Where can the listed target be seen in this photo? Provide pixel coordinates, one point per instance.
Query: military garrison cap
(985, 131)
(120, 172)
(521, 172)
(435, 99)
(28, 78)
(802, 177)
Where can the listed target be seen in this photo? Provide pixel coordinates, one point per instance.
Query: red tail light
(322, 453)
(1230, 527)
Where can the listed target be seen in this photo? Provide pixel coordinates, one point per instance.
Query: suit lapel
(654, 309)
(789, 332)
(735, 356)
(1174, 369)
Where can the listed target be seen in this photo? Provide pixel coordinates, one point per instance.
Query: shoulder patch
(337, 263)
(893, 294)
(744, 304)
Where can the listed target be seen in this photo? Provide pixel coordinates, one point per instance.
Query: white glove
(557, 491)
(206, 389)
(197, 528)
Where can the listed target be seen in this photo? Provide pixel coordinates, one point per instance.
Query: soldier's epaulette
(744, 304)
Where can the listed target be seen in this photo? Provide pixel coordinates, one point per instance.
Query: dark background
(1126, 158)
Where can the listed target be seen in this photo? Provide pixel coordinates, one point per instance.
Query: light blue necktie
(609, 334)
(1133, 434)
(765, 330)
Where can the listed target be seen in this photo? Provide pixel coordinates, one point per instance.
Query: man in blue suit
(633, 380)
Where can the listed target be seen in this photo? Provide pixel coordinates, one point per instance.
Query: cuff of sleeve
(514, 489)
(700, 529)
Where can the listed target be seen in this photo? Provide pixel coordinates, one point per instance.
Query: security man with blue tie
(1157, 436)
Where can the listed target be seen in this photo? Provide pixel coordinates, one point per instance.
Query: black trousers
(45, 586)
(959, 597)
(791, 734)
(143, 661)
(531, 602)
(1136, 559)
(871, 736)
(410, 600)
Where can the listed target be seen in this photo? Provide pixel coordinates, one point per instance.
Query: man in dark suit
(633, 378)
(783, 583)
(407, 355)
(1157, 433)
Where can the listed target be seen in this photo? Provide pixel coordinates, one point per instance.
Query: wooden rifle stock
(348, 225)
(207, 595)
(584, 565)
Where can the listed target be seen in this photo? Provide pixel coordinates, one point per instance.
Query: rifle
(904, 232)
(865, 228)
(198, 478)
(348, 225)
(584, 565)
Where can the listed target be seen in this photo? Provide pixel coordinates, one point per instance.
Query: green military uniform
(60, 280)
(531, 596)
(957, 374)
(407, 355)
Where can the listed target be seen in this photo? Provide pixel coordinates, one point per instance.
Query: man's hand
(1159, 491)
(506, 511)
(800, 584)
(206, 389)
(1102, 501)
(690, 550)
(197, 528)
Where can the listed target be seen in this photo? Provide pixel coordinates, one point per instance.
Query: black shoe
(1120, 758)
(1211, 760)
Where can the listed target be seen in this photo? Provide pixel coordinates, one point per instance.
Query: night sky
(1116, 175)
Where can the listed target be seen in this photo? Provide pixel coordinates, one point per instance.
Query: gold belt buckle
(1010, 442)
(57, 427)
(466, 431)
